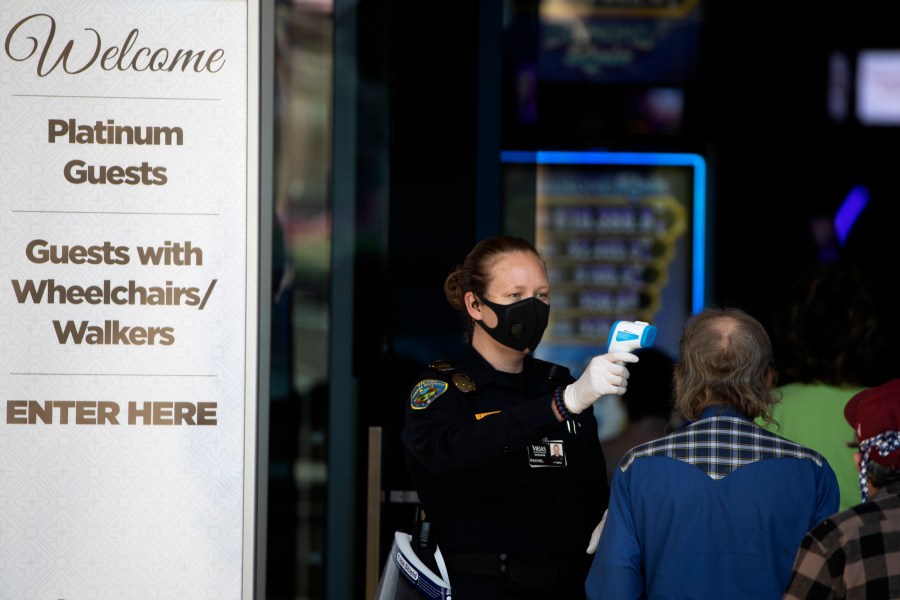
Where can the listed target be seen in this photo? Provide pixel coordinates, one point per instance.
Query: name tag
(551, 453)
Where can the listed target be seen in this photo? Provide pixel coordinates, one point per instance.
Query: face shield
(405, 576)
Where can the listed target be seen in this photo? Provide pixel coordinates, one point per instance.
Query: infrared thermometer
(624, 336)
(628, 336)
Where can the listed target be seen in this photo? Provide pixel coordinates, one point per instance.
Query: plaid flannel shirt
(721, 445)
(854, 554)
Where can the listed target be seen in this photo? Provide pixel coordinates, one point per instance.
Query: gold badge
(442, 366)
(463, 382)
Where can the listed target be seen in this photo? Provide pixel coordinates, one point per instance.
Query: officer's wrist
(559, 406)
(556, 414)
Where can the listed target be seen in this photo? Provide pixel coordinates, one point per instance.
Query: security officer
(511, 519)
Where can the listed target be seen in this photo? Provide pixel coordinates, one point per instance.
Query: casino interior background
(390, 122)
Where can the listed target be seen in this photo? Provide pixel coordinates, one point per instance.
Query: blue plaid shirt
(714, 510)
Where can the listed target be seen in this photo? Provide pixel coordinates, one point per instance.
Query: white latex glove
(595, 537)
(605, 374)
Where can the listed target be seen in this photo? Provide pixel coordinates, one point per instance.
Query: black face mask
(520, 325)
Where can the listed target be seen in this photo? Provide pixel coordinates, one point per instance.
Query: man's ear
(473, 307)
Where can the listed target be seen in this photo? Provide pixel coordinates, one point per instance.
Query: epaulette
(553, 371)
(460, 379)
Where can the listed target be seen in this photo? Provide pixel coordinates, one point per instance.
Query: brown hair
(726, 359)
(474, 274)
(830, 328)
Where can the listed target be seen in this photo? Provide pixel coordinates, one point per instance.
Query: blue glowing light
(850, 210)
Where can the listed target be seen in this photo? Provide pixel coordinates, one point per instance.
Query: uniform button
(503, 563)
(505, 449)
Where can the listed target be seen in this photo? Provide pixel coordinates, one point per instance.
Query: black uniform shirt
(483, 461)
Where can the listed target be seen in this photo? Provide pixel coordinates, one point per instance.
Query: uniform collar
(483, 373)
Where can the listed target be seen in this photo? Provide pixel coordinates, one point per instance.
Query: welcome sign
(127, 253)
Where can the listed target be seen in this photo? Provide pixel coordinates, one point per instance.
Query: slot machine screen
(624, 238)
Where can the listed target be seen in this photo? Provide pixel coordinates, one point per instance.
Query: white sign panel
(124, 239)
(878, 87)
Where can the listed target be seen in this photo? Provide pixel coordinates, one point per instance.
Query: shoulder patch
(425, 392)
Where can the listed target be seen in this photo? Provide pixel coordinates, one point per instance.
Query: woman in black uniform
(512, 518)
